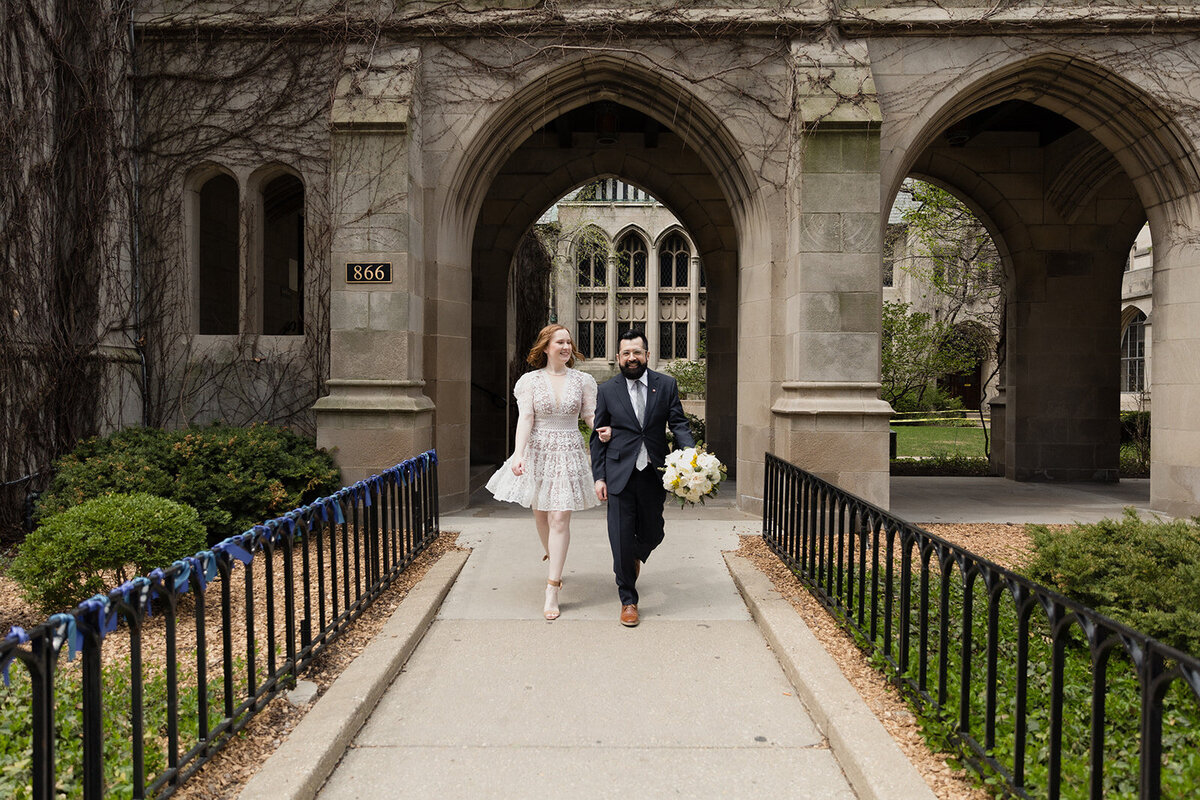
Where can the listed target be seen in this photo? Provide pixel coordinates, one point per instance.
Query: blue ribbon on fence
(66, 631)
(141, 586)
(105, 611)
(232, 549)
(18, 635)
(204, 563)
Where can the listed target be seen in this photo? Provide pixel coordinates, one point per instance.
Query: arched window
(631, 261)
(283, 256)
(218, 272)
(591, 259)
(1133, 355)
(673, 258)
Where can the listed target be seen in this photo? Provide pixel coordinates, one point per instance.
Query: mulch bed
(228, 771)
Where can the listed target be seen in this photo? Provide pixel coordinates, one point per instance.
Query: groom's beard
(633, 373)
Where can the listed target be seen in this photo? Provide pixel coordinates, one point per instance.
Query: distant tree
(917, 349)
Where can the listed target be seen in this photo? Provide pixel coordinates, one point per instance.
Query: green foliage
(955, 255)
(916, 350)
(64, 560)
(16, 728)
(1135, 444)
(697, 427)
(943, 465)
(1181, 710)
(1145, 573)
(926, 398)
(234, 477)
(692, 376)
(1135, 425)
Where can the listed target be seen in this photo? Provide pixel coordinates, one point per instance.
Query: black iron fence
(1044, 697)
(141, 709)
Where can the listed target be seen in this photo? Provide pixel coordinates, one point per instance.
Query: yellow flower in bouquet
(692, 474)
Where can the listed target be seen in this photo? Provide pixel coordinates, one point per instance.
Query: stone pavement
(718, 693)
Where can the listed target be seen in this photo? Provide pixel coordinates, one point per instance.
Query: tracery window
(673, 260)
(1133, 355)
(631, 261)
(591, 261)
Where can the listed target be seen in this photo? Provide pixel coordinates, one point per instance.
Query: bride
(550, 470)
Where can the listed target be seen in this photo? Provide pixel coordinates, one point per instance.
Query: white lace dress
(558, 469)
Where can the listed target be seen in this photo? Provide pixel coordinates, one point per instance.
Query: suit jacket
(615, 460)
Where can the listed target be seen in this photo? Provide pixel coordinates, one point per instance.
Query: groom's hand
(601, 491)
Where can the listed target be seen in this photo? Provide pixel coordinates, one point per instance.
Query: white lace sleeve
(523, 391)
(588, 411)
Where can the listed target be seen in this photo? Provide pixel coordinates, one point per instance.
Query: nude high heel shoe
(551, 610)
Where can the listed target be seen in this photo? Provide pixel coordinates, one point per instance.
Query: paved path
(497, 702)
(998, 500)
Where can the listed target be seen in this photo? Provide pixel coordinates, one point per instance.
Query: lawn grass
(938, 440)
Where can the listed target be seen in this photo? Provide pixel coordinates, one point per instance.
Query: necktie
(639, 408)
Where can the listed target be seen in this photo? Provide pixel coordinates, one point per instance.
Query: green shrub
(931, 398)
(695, 425)
(64, 560)
(943, 465)
(234, 477)
(1145, 573)
(1135, 426)
(692, 376)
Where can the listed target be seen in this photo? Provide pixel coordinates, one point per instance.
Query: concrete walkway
(721, 692)
(497, 702)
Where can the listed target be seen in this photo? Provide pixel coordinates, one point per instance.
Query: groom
(638, 404)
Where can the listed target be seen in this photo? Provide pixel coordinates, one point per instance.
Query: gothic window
(631, 261)
(591, 339)
(1133, 355)
(672, 340)
(673, 258)
(218, 271)
(283, 256)
(591, 261)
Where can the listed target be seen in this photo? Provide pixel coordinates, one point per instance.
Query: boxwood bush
(234, 477)
(1145, 573)
(66, 559)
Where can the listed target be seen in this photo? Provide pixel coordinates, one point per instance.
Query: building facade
(382, 165)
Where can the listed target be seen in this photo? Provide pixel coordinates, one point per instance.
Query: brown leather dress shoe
(629, 616)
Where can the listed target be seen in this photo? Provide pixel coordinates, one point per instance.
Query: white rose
(700, 482)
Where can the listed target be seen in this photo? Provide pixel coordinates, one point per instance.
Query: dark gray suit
(635, 498)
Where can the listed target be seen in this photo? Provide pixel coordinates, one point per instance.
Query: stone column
(611, 330)
(1175, 425)
(693, 308)
(653, 313)
(376, 413)
(827, 415)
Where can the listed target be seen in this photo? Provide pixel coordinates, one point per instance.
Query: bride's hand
(605, 433)
(518, 468)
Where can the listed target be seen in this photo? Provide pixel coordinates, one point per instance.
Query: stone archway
(1067, 160)
(535, 150)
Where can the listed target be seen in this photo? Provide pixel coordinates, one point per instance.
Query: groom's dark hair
(634, 333)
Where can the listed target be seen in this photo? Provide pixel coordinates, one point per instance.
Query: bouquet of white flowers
(692, 474)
